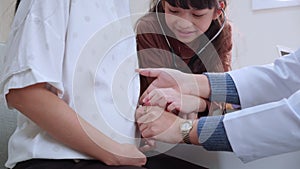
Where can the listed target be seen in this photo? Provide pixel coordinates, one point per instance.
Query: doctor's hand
(190, 84)
(155, 123)
(186, 106)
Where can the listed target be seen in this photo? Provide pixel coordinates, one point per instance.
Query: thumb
(148, 72)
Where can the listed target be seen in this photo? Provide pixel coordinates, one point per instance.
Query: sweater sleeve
(211, 131)
(223, 88)
(212, 134)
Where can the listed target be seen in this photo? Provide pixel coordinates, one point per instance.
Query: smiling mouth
(185, 33)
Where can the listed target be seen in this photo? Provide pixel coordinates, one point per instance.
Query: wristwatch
(185, 129)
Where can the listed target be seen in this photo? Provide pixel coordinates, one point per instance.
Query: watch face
(186, 126)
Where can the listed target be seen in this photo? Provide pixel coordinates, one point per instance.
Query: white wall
(7, 8)
(256, 33)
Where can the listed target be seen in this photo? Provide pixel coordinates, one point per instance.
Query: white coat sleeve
(268, 83)
(272, 126)
(265, 130)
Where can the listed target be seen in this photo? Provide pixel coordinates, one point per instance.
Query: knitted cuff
(222, 88)
(212, 135)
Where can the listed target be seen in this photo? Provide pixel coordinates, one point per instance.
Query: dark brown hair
(17, 5)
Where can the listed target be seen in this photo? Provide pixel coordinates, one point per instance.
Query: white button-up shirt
(86, 51)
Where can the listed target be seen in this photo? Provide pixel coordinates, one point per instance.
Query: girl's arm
(60, 121)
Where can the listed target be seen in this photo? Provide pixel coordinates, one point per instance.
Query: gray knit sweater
(211, 130)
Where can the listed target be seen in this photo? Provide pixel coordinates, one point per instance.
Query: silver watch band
(186, 138)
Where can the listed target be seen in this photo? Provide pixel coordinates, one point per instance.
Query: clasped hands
(170, 99)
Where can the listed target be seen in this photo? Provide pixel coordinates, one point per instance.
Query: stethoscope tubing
(201, 50)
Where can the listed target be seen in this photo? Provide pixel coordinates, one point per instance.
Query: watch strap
(186, 138)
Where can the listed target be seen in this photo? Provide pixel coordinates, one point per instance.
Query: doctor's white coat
(269, 123)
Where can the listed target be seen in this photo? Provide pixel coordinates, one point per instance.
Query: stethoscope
(201, 50)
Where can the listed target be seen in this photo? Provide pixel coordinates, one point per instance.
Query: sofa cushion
(8, 121)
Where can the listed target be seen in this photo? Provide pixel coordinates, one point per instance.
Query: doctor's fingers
(157, 98)
(164, 129)
(180, 105)
(174, 107)
(145, 94)
(148, 129)
(150, 88)
(149, 72)
(190, 116)
(151, 113)
(152, 129)
(164, 74)
(162, 96)
(148, 122)
(149, 132)
(191, 104)
(140, 111)
(149, 94)
(165, 79)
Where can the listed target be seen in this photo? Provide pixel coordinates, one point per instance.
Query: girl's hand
(173, 101)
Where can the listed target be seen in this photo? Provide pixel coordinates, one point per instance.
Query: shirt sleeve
(271, 129)
(35, 50)
(263, 84)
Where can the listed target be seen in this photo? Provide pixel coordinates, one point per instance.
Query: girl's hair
(187, 4)
(17, 5)
(223, 43)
